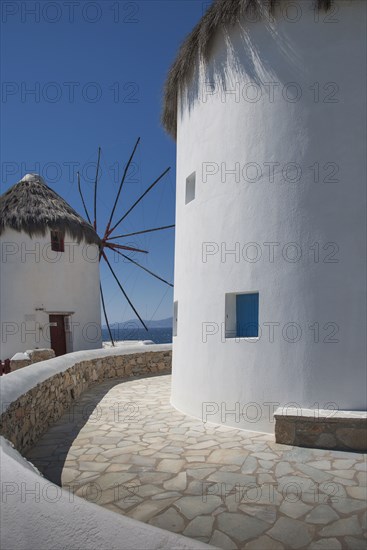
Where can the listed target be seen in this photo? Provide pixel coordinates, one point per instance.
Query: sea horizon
(156, 335)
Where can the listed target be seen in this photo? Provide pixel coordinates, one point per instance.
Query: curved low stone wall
(26, 417)
(32, 399)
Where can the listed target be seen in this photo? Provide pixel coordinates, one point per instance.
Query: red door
(57, 334)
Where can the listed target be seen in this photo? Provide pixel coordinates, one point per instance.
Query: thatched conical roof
(33, 207)
(221, 13)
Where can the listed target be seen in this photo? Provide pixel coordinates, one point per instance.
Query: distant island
(135, 323)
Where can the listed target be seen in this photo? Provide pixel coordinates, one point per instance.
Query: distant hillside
(135, 323)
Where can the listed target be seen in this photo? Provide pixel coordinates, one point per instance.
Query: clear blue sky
(97, 70)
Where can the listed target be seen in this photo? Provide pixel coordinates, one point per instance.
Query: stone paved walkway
(124, 447)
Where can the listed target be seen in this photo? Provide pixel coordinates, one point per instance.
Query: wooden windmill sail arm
(105, 316)
(95, 189)
(138, 200)
(105, 240)
(114, 246)
(121, 184)
(81, 196)
(123, 291)
(145, 269)
(141, 232)
(100, 286)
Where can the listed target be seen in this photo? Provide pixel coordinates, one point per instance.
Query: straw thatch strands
(33, 207)
(197, 45)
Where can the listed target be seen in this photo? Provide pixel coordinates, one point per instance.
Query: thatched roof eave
(197, 45)
(30, 206)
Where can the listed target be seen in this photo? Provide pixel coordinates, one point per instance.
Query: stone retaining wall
(29, 416)
(340, 430)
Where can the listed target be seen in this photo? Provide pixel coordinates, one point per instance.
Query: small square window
(242, 315)
(57, 241)
(175, 318)
(190, 188)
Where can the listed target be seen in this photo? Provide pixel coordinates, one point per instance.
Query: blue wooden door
(247, 313)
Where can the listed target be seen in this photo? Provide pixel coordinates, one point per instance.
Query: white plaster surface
(20, 356)
(259, 375)
(124, 343)
(36, 281)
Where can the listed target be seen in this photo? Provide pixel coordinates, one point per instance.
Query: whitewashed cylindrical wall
(277, 148)
(37, 281)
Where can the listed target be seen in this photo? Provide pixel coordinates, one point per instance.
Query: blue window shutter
(247, 313)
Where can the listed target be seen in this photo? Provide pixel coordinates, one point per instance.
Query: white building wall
(325, 299)
(36, 282)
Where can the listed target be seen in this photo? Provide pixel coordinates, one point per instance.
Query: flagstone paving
(124, 446)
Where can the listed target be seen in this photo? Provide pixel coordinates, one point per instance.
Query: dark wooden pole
(81, 195)
(95, 189)
(105, 316)
(121, 184)
(145, 269)
(141, 232)
(123, 291)
(139, 199)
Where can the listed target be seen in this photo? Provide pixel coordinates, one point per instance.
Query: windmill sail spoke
(121, 184)
(145, 269)
(114, 246)
(123, 291)
(138, 200)
(95, 189)
(81, 196)
(105, 316)
(107, 237)
(141, 232)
